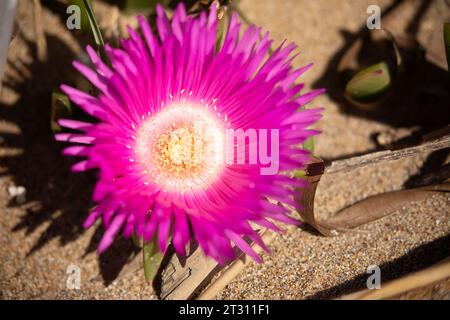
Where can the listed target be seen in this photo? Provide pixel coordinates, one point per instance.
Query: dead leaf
(381, 205)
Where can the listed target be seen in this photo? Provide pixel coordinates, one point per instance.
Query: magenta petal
(164, 228)
(152, 95)
(90, 220)
(181, 234)
(307, 98)
(111, 233)
(244, 246)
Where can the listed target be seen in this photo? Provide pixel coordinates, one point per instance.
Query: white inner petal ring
(181, 147)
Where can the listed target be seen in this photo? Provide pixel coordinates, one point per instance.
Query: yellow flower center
(181, 148)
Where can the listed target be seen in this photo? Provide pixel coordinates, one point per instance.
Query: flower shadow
(419, 100)
(61, 198)
(57, 200)
(417, 259)
(424, 86)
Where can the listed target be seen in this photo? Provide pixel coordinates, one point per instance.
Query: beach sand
(41, 238)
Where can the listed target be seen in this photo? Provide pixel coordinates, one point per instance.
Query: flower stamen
(182, 147)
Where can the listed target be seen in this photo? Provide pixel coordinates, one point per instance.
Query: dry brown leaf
(184, 278)
(381, 205)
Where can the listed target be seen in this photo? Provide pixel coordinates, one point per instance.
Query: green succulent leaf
(152, 259)
(370, 84)
(309, 144)
(95, 30)
(299, 173)
(60, 108)
(138, 4)
(222, 28)
(447, 42)
(85, 26)
(137, 241)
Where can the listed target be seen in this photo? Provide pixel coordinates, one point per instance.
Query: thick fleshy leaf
(137, 241)
(370, 84)
(309, 144)
(60, 108)
(152, 258)
(95, 29)
(84, 19)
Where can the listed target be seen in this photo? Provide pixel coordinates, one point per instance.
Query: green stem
(95, 30)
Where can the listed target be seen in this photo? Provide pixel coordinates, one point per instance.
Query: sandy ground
(41, 238)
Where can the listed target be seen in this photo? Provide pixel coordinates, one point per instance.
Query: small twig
(388, 155)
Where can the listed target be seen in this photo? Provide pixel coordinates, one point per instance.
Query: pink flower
(164, 109)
